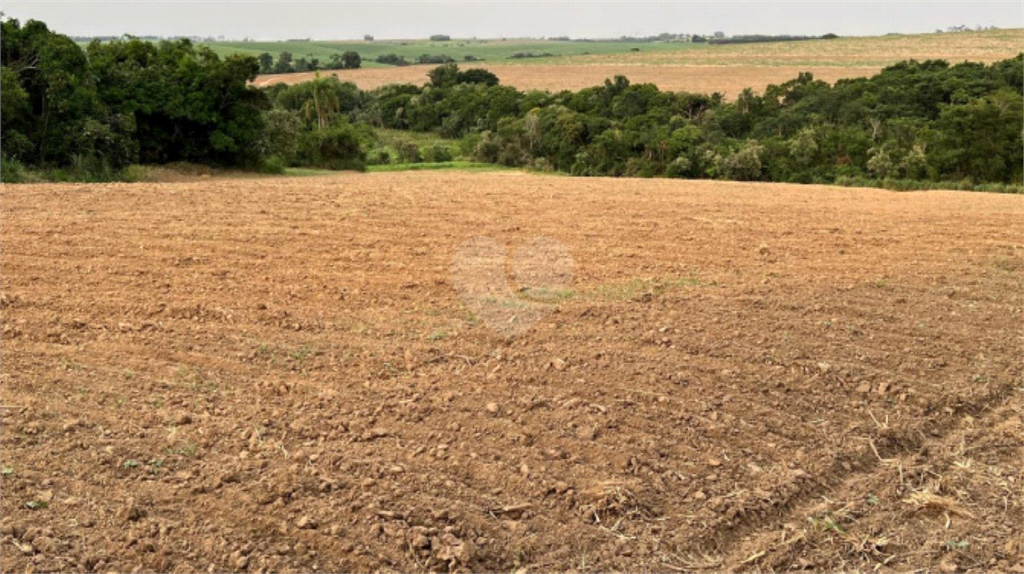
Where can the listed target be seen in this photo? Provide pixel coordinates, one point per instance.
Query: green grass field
(489, 50)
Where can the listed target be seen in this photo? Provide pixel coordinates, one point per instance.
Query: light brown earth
(277, 375)
(729, 80)
(724, 68)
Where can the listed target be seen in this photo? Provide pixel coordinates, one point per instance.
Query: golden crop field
(724, 68)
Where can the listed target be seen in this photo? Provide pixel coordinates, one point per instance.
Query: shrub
(679, 167)
(487, 148)
(542, 164)
(439, 59)
(477, 76)
(282, 130)
(379, 157)
(134, 172)
(392, 59)
(274, 164)
(408, 152)
(11, 170)
(437, 153)
(336, 147)
(467, 145)
(742, 165)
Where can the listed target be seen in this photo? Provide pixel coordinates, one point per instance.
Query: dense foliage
(96, 111)
(123, 102)
(130, 101)
(913, 121)
(287, 64)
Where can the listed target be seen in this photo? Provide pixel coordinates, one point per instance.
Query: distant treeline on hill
(92, 113)
(87, 39)
(755, 38)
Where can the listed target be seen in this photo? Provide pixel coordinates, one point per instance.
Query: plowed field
(279, 375)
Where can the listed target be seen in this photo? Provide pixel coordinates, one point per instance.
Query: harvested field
(278, 375)
(723, 68)
(729, 80)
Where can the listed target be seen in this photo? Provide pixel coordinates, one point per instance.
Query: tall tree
(323, 102)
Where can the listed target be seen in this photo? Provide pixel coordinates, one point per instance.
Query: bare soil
(278, 375)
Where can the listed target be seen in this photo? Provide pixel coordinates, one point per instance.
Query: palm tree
(324, 102)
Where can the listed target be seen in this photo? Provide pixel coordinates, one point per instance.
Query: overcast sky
(334, 19)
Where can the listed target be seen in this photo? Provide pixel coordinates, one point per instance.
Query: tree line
(97, 111)
(918, 121)
(287, 64)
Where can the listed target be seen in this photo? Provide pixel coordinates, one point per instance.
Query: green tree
(477, 76)
(351, 60)
(284, 63)
(336, 147)
(323, 102)
(266, 63)
(444, 76)
(281, 133)
(804, 147)
(16, 114)
(981, 139)
(744, 164)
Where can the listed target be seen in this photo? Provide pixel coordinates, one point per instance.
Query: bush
(11, 170)
(392, 59)
(408, 152)
(336, 147)
(542, 164)
(439, 59)
(379, 157)
(274, 164)
(437, 153)
(477, 76)
(467, 145)
(487, 148)
(134, 173)
(679, 167)
(522, 55)
(282, 130)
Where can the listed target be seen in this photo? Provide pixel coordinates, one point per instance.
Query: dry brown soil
(277, 375)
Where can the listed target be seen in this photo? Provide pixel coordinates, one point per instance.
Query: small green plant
(36, 504)
(437, 336)
(6, 470)
(547, 295)
(872, 499)
(187, 449)
(304, 352)
(826, 521)
(954, 545)
(130, 463)
(134, 173)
